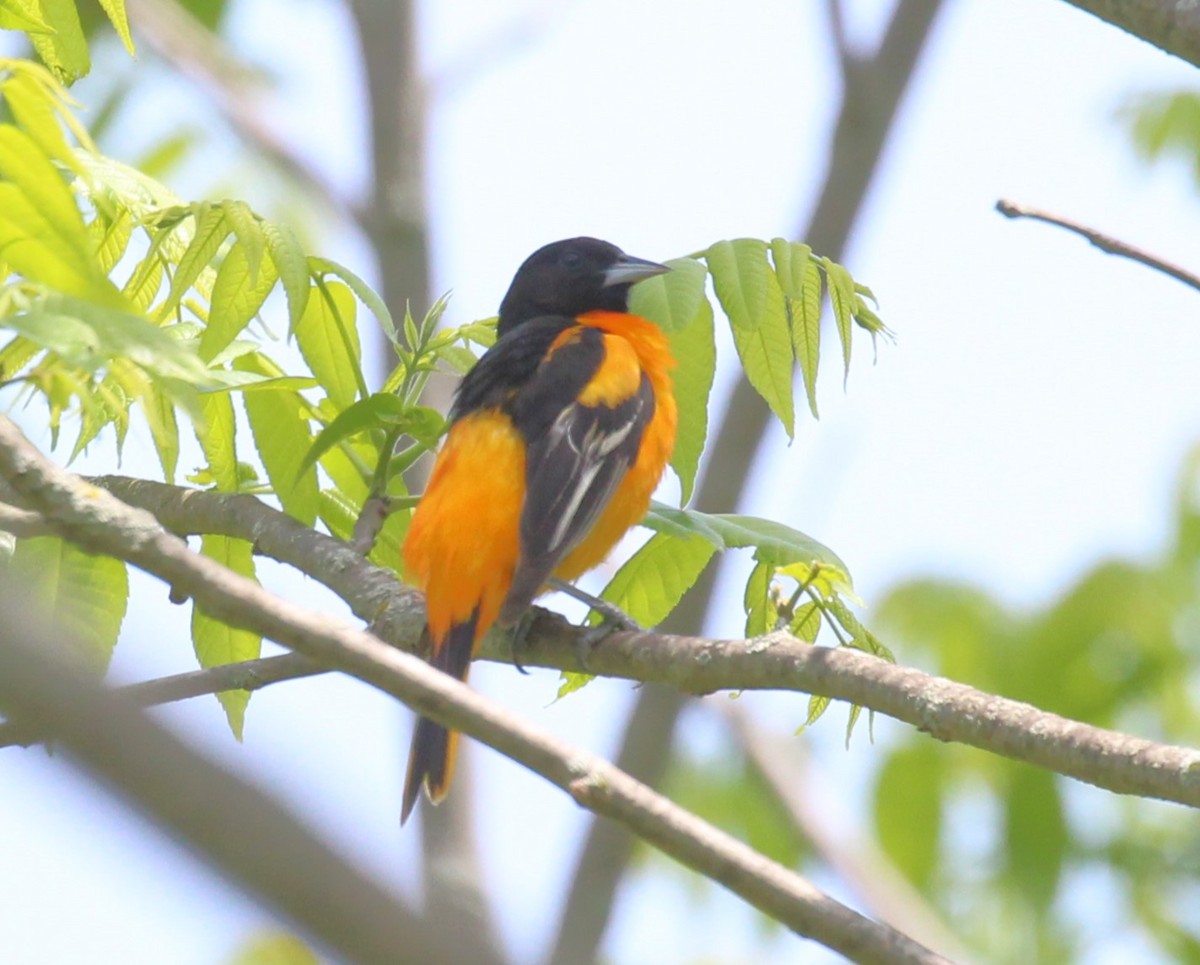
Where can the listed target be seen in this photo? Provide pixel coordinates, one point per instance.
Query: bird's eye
(572, 260)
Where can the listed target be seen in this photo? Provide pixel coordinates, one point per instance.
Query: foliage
(1166, 124)
(1117, 650)
(126, 302)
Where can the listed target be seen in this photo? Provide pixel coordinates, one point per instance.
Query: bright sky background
(1030, 419)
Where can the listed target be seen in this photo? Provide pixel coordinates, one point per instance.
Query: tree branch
(237, 828)
(943, 708)
(863, 123)
(1172, 26)
(1106, 243)
(608, 847)
(876, 881)
(98, 522)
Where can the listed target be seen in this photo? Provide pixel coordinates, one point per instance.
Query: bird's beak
(628, 270)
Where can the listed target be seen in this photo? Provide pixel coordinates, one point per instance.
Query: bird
(557, 438)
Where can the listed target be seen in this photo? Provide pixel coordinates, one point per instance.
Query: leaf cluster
(125, 302)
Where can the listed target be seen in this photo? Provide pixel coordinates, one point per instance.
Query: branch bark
(100, 523)
(874, 879)
(943, 708)
(1172, 26)
(872, 90)
(235, 827)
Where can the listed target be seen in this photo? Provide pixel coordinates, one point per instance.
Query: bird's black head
(572, 277)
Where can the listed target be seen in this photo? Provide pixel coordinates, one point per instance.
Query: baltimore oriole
(558, 437)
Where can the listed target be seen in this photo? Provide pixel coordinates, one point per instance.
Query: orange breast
(628, 334)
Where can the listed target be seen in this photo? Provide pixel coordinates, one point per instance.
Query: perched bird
(558, 437)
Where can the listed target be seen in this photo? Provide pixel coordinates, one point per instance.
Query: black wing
(576, 456)
(508, 365)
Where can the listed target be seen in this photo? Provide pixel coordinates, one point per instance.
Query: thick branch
(943, 708)
(99, 522)
(236, 827)
(1106, 243)
(1172, 26)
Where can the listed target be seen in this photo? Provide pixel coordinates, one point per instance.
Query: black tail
(434, 748)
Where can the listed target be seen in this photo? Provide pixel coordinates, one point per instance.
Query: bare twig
(236, 827)
(99, 522)
(1106, 243)
(248, 675)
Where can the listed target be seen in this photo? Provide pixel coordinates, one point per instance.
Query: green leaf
(366, 294)
(569, 682)
(695, 352)
(750, 294)
(774, 543)
(88, 335)
(681, 523)
(18, 15)
(373, 412)
(237, 296)
(23, 163)
(1036, 834)
(217, 643)
(116, 13)
(817, 705)
(111, 238)
(800, 279)
(18, 353)
(215, 432)
(672, 300)
(757, 600)
(34, 111)
(159, 411)
(249, 234)
(34, 249)
(64, 50)
(841, 296)
(292, 265)
(87, 594)
(279, 422)
(908, 809)
(806, 623)
(328, 339)
(211, 230)
(654, 579)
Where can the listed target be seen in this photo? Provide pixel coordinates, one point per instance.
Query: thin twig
(1106, 243)
(248, 675)
(100, 523)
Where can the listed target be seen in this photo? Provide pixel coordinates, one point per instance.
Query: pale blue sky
(1030, 418)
